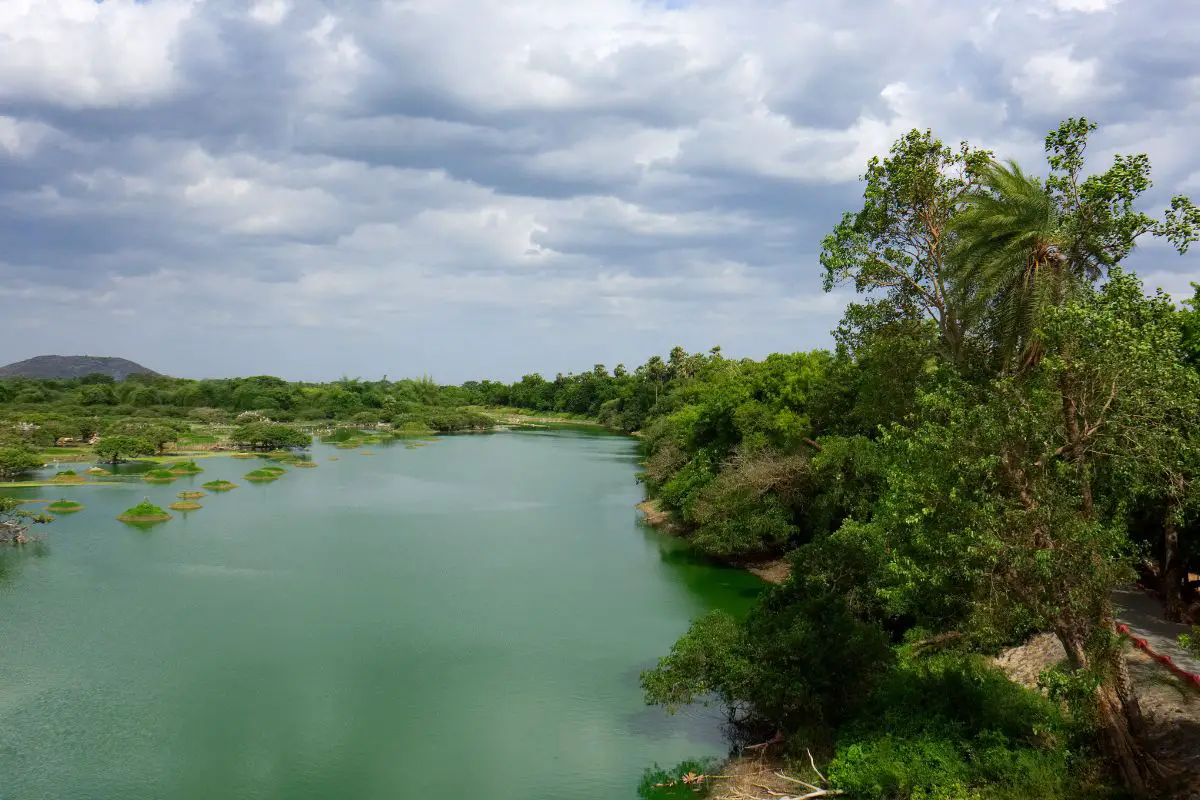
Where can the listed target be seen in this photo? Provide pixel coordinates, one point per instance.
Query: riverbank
(774, 571)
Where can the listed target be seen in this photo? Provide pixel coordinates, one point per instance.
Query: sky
(488, 188)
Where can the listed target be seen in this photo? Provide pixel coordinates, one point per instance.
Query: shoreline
(773, 571)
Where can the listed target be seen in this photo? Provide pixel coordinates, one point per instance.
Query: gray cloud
(491, 188)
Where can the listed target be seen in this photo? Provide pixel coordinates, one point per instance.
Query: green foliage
(684, 780)
(17, 461)
(1191, 641)
(144, 509)
(269, 436)
(114, 449)
(951, 727)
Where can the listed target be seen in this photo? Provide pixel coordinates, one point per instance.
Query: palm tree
(1011, 250)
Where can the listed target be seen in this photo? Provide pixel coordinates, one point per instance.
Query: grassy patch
(186, 505)
(190, 495)
(220, 486)
(64, 507)
(262, 476)
(144, 513)
(159, 476)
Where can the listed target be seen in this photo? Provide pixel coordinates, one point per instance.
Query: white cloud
(374, 181)
(85, 54)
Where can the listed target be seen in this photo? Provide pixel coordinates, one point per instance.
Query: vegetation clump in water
(159, 476)
(144, 513)
(190, 495)
(185, 468)
(220, 486)
(185, 505)
(262, 475)
(68, 476)
(98, 471)
(64, 506)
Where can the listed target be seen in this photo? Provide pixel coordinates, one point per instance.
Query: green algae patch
(68, 476)
(64, 507)
(262, 476)
(220, 486)
(190, 495)
(185, 505)
(159, 476)
(144, 513)
(185, 468)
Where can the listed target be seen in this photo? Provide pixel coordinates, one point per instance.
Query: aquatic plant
(185, 468)
(68, 476)
(98, 471)
(262, 475)
(190, 495)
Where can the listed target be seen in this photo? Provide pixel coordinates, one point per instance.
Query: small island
(159, 476)
(190, 495)
(185, 505)
(98, 471)
(144, 513)
(68, 476)
(64, 507)
(220, 486)
(262, 475)
(185, 468)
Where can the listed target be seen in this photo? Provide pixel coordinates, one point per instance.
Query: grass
(68, 476)
(190, 495)
(64, 506)
(185, 505)
(220, 486)
(185, 468)
(244, 455)
(98, 471)
(144, 512)
(262, 476)
(159, 476)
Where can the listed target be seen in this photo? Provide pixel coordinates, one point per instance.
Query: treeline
(1004, 434)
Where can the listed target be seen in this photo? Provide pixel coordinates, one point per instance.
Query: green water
(466, 619)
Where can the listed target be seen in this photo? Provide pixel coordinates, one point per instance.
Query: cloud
(491, 188)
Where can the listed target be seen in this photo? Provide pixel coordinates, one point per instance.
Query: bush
(953, 726)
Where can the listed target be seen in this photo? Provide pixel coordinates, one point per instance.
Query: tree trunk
(1113, 716)
(1171, 575)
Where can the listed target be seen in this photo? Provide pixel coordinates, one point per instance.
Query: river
(466, 619)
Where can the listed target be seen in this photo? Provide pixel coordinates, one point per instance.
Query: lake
(463, 619)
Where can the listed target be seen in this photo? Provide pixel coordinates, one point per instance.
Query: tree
(14, 521)
(899, 243)
(115, 449)
(15, 461)
(267, 436)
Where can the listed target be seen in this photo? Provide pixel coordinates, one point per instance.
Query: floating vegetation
(68, 476)
(220, 486)
(185, 505)
(351, 445)
(414, 445)
(185, 468)
(159, 476)
(190, 495)
(333, 458)
(262, 476)
(64, 507)
(145, 513)
(98, 471)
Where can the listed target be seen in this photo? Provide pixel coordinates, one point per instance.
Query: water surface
(465, 619)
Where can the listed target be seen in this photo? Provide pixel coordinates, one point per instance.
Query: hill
(59, 367)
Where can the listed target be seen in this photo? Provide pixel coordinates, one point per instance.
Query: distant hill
(59, 367)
